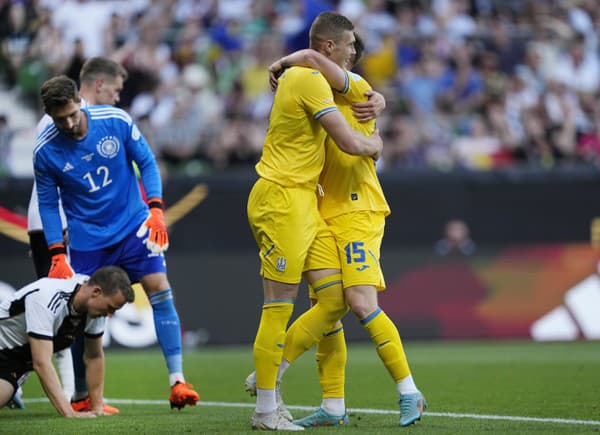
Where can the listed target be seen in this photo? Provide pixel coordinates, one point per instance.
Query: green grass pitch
(471, 387)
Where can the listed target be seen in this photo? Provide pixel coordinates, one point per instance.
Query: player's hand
(275, 70)
(379, 144)
(370, 109)
(158, 237)
(60, 267)
(84, 414)
(99, 411)
(595, 232)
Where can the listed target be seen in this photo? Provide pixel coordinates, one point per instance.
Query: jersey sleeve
(38, 318)
(139, 150)
(316, 94)
(94, 328)
(357, 86)
(48, 200)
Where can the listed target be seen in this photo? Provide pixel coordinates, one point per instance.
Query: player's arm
(48, 204)
(347, 139)
(154, 226)
(41, 352)
(335, 76)
(94, 372)
(140, 152)
(367, 110)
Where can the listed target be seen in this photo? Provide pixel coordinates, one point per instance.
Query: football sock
(282, 368)
(81, 390)
(309, 328)
(407, 386)
(269, 341)
(331, 363)
(333, 406)
(265, 400)
(386, 339)
(168, 330)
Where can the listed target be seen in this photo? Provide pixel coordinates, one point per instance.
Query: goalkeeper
(87, 154)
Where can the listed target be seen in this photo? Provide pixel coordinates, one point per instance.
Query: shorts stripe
(327, 284)
(280, 301)
(335, 331)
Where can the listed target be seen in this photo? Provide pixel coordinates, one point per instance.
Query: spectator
(456, 240)
(461, 83)
(506, 52)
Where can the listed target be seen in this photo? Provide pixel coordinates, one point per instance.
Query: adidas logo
(68, 167)
(578, 316)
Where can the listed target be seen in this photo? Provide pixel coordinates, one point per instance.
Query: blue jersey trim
(325, 111)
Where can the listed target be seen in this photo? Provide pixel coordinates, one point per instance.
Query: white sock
(407, 386)
(265, 400)
(334, 406)
(282, 368)
(176, 377)
(79, 395)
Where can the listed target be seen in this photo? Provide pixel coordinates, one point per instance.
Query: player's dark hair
(328, 26)
(98, 66)
(113, 279)
(359, 47)
(57, 92)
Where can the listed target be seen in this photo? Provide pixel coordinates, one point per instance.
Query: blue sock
(79, 367)
(168, 329)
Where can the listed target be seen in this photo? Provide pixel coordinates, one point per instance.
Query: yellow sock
(386, 339)
(331, 362)
(268, 344)
(308, 329)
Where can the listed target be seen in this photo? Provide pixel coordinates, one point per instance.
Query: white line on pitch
(358, 410)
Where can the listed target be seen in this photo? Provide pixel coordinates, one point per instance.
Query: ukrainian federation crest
(108, 147)
(281, 263)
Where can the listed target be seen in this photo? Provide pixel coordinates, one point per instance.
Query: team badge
(281, 263)
(108, 147)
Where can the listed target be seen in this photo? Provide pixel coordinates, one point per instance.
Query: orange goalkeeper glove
(158, 238)
(60, 267)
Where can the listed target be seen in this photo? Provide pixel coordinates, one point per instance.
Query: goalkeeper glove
(158, 238)
(60, 267)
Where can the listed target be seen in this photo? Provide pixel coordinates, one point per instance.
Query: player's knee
(362, 300)
(362, 307)
(334, 309)
(6, 392)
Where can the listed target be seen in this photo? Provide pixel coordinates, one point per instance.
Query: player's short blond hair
(329, 26)
(98, 66)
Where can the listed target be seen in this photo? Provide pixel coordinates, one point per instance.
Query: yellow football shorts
(284, 222)
(323, 253)
(358, 237)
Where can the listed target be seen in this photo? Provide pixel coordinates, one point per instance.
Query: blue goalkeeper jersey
(98, 186)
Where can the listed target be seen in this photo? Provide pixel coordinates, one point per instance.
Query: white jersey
(34, 220)
(42, 310)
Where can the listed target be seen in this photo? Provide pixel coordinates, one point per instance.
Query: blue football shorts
(131, 254)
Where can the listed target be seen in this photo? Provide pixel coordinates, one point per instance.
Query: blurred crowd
(473, 84)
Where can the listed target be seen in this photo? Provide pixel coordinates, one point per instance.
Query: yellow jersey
(350, 183)
(294, 152)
